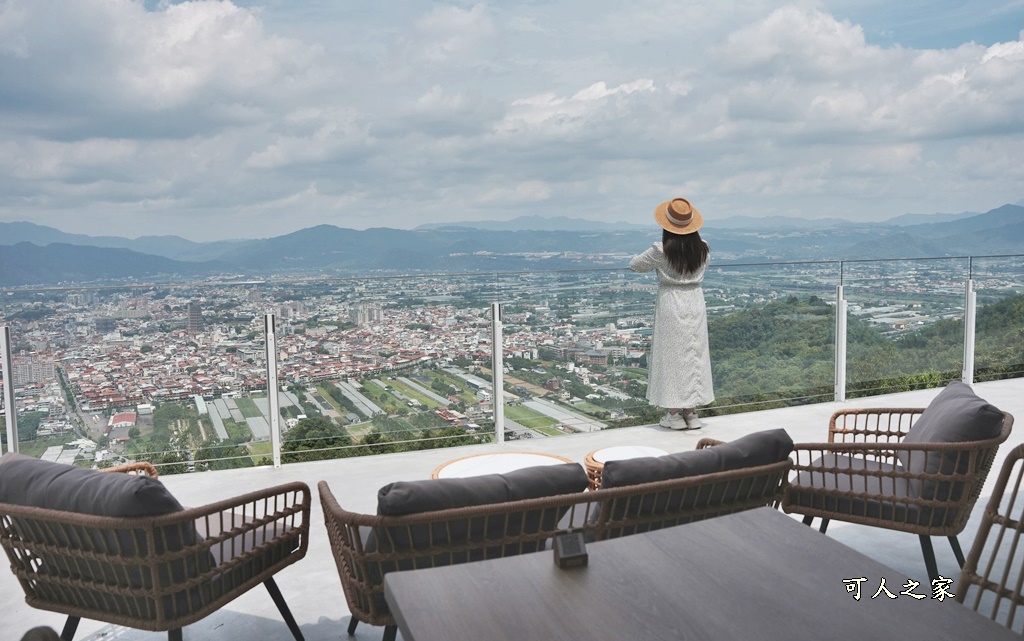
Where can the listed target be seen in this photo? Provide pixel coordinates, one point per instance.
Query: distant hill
(42, 259)
(897, 245)
(776, 222)
(56, 263)
(168, 246)
(917, 219)
(534, 223)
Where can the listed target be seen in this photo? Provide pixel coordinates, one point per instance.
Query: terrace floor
(313, 590)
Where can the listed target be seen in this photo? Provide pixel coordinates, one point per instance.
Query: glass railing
(772, 334)
(905, 323)
(998, 335)
(367, 365)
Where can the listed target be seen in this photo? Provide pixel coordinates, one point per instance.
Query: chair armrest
(707, 442)
(140, 468)
(273, 520)
(884, 425)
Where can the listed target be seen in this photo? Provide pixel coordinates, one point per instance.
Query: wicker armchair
(867, 473)
(156, 572)
(993, 575)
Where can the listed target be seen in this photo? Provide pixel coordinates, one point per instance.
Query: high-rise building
(105, 324)
(366, 313)
(195, 317)
(35, 368)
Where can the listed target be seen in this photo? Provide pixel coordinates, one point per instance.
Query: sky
(216, 120)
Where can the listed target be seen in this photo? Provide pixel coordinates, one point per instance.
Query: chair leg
(352, 623)
(390, 632)
(70, 626)
(929, 557)
(174, 635)
(824, 526)
(808, 520)
(955, 544)
(275, 594)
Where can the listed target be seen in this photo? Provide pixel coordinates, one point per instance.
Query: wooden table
(494, 463)
(753, 575)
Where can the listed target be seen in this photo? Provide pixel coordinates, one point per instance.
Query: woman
(679, 377)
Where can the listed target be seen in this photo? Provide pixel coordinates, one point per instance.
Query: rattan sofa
(671, 490)
(119, 548)
(916, 470)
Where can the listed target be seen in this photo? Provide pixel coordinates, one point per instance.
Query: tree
(315, 439)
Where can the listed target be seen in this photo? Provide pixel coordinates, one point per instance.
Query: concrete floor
(313, 590)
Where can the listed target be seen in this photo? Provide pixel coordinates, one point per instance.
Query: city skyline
(215, 120)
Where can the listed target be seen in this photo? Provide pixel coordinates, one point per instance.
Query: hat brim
(661, 217)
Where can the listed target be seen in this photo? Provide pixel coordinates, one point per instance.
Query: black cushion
(33, 482)
(759, 448)
(411, 497)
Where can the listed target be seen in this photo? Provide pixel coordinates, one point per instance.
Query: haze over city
(213, 120)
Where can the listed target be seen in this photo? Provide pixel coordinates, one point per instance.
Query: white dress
(679, 367)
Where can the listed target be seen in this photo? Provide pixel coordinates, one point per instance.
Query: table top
(495, 463)
(758, 574)
(622, 452)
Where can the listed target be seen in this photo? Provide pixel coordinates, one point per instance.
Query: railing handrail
(485, 273)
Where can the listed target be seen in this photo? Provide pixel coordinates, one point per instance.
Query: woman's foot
(678, 421)
(673, 421)
(692, 420)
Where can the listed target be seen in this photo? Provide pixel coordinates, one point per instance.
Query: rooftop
(312, 587)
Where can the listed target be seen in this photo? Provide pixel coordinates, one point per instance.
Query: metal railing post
(11, 412)
(970, 321)
(497, 373)
(272, 391)
(840, 388)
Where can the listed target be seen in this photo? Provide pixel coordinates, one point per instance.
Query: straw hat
(678, 216)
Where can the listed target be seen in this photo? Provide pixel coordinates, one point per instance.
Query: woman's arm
(648, 260)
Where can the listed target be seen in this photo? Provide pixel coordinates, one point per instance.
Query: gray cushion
(411, 497)
(33, 482)
(956, 415)
(447, 542)
(759, 448)
(872, 494)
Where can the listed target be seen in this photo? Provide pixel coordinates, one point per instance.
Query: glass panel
(572, 352)
(772, 334)
(999, 335)
(385, 364)
(905, 324)
(369, 365)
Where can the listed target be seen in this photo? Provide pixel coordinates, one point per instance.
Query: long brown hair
(686, 253)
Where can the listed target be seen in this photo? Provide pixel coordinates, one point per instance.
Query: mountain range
(36, 255)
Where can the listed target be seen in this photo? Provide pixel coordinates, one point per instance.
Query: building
(35, 368)
(365, 314)
(194, 325)
(105, 324)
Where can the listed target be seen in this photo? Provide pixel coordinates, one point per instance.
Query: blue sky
(213, 120)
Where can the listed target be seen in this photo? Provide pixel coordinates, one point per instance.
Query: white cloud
(449, 31)
(530, 191)
(210, 119)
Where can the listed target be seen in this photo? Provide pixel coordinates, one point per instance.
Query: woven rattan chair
(156, 573)
(993, 575)
(862, 475)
